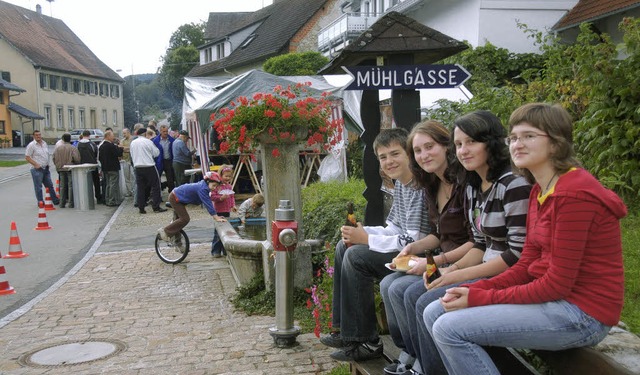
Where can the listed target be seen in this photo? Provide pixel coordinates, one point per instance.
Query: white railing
(349, 26)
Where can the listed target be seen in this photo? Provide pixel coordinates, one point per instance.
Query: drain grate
(72, 353)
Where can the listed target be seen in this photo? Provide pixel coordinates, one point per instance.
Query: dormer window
(248, 40)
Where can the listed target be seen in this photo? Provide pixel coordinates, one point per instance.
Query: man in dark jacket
(109, 155)
(89, 155)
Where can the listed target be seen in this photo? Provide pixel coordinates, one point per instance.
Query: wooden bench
(582, 361)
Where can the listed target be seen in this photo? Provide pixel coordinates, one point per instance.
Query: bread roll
(403, 263)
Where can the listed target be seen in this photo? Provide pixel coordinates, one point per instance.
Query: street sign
(406, 77)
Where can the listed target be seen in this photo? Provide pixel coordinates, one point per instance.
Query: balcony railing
(349, 26)
(346, 28)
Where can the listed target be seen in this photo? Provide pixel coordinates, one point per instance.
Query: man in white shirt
(37, 154)
(143, 152)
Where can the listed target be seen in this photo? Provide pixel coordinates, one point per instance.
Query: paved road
(52, 252)
(167, 319)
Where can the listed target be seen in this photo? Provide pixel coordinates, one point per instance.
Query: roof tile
(587, 10)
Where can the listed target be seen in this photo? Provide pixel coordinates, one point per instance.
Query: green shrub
(324, 207)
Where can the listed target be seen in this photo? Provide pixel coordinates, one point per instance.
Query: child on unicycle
(180, 197)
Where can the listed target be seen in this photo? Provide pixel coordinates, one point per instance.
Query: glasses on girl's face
(525, 138)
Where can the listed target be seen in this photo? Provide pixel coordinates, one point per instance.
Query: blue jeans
(40, 177)
(392, 289)
(216, 244)
(459, 335)
(419, 298)
(355, 270)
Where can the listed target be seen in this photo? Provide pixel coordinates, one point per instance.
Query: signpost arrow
(406, 77)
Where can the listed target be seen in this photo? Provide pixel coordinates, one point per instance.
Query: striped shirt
(408, 220)
(498, 217)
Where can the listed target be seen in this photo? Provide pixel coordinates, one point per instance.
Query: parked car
(96, 135)
(16, 134)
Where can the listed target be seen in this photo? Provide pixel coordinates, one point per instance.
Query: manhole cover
(73, 353)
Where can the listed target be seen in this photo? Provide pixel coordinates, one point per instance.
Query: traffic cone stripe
(5, 288)
(48, 204)
(58, 188)
(15, 249)
(42, 218)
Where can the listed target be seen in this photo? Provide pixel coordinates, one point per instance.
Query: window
(77, 86)
(59, 117)
(115, 118)
(54, 82)
(2, 128)
(43, 81)
(104, 89)
(47, 117)
(94, 88)
(207, 55)
(1, 97)
(71, 117)
(115, 91)
(82, 118)
(6, 76)
(86, 87)
(219, 51)
(246, 42)
(104, 117)
(67, 84)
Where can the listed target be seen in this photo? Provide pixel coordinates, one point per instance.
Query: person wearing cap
(195, 193)
(182, 157)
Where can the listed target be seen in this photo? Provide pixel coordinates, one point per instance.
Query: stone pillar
(282, 181)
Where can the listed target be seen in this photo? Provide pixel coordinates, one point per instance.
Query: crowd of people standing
(131, 165)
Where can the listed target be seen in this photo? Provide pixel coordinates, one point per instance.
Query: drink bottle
(432, 269)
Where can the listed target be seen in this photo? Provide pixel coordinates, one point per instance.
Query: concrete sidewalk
(166, 319)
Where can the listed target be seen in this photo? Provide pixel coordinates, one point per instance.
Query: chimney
(38, 9)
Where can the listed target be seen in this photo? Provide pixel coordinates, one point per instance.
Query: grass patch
(631, 254)
(11, 163)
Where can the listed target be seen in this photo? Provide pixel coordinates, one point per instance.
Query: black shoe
(397, 368)
(61, 205)
(159, 209)
(333, 340)
(142, 211)
(135, 205)
(168, 205)
(358, 351)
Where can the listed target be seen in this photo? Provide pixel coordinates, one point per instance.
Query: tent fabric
(204, 96)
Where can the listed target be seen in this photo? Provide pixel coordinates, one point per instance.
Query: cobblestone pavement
(169, 319)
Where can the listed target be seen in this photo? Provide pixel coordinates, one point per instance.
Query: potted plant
(287, 115)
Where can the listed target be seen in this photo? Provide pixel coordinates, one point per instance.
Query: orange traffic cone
(15, 249)
(5, 288)
(42, 218)
(58, 188)
(48, 204)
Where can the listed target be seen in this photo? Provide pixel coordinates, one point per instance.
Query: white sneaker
(163, 235)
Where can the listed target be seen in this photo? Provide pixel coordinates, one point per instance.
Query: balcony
(340, 32)
(336, 36)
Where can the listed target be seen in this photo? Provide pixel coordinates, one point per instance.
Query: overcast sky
(131, 36)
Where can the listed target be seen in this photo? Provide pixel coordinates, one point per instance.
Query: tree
(181, 56)
(295, 64)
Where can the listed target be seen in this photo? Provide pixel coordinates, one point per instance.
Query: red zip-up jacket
(572, 252)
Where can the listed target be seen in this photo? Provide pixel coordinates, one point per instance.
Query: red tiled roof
(48, 42)
(587, 10)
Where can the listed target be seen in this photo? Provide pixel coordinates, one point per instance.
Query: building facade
(64, 81)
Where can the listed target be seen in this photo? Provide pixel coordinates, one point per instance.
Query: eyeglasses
(524, 138)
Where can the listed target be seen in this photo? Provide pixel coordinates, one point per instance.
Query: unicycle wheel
(174, 250)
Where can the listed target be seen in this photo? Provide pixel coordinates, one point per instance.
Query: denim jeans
(392, 289)
(426, 351)
(42, 176)
(216, 244)
(459, 335)
(66, 188)
(355, 270)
